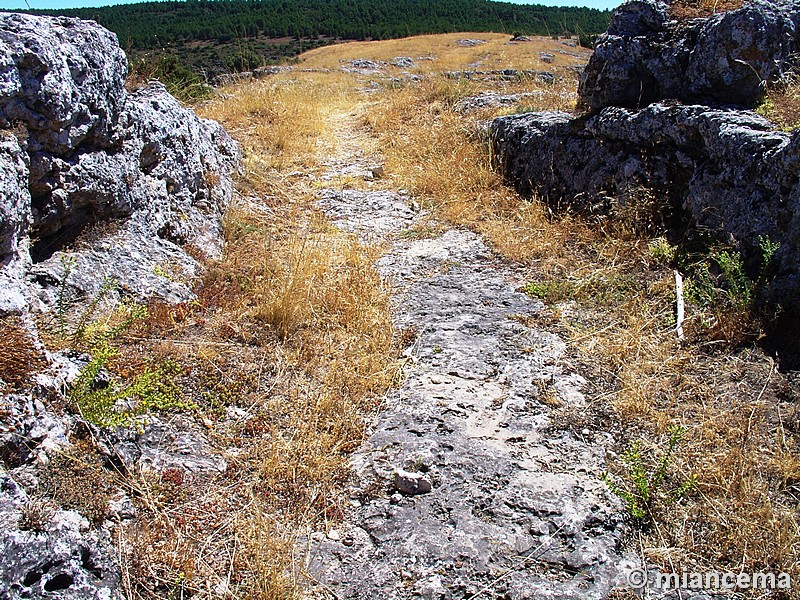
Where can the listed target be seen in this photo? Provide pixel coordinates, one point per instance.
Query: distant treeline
(158, 24)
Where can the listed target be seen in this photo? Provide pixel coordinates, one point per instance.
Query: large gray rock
(166, 187)
(723, 171)
(132, 177)
(62, 78)
(177, 445)
(727, 58)
(15, 218)
(119, 184)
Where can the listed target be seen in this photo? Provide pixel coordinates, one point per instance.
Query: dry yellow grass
(282, 123)
(693, 9)
(287, 350)
(293, 326)
(292, 330)
(496, 53)
(782, 104)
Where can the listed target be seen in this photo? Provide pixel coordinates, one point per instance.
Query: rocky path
(465, 488)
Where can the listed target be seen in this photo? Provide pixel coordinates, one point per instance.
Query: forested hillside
(280, 25)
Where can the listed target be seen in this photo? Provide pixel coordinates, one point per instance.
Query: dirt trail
(464, 487)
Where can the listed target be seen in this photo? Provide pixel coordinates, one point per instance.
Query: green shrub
(244, 60)
(719, 279)
(550, 291)
(180, 81)
(112, 404)
(645, 485)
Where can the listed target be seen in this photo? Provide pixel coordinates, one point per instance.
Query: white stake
(680, 307)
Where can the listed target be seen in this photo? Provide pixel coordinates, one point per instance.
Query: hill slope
(148, 24)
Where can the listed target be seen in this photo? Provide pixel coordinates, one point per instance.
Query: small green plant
(662, 251)
(550, 291)
(100, 400)
(719, 280)
(87, 314)
(108, 403)
(645, 485)
(85, 330)
(768, 251)
(739, 287)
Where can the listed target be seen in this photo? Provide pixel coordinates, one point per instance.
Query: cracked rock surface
(645, 56)
(464, 476)
(65, 559)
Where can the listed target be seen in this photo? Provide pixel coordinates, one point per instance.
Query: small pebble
(411, 483)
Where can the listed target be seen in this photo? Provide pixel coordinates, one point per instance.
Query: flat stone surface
(508, 492)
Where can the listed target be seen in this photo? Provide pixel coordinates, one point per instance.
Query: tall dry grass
(287, 351)
(282, 123)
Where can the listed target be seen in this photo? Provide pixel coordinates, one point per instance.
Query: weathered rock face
(15, 217)
(120, 183)
(62, 560)
(63, 79)
(725, 169)
(81, 151)
(644, 57)
(715, 168)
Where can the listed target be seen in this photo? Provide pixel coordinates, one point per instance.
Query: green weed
(645, 486)
(550, 291)
(719, 280)
(113, 404)
(662, 252)
(180, 81)
(768, 251)
(101, 401)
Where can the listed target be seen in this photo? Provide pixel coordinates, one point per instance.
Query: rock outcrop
(719, 168)
(60, 557)
(125, 179)
(645, 57)
(97, 185)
